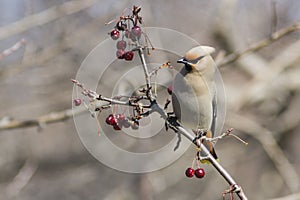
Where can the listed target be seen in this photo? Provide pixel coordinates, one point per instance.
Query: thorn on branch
(233, 189)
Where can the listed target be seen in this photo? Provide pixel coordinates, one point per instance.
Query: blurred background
(48, 161)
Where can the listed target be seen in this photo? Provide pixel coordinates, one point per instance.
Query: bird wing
(214, 113)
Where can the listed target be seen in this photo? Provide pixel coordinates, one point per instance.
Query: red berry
(170, 89)
(189, 172)
(117, 127)
(136, 31)
(77, 102)
(111, 120)
(114, 34)
(199, 173)
(108, 119)
(128, 55)
(121, 44)
(114, 121)
(120, 53)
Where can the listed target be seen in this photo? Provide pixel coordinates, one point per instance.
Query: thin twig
(259, 45)
(227, 133)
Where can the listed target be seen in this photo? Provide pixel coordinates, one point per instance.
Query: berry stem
(237, 189)
(147, 75)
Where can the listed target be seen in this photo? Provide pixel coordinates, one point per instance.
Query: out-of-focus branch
(266, 138)
(289, 197)
(44, 119)
(44, 17)
(50, 52)
(262, 82)
(21, 179)
(12, 49)
(288, 120)
(259, 45)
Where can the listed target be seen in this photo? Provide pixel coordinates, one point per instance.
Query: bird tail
(210, 147)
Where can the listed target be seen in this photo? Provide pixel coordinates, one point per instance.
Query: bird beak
(182, 60)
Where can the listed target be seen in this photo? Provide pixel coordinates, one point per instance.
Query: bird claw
(200, 135)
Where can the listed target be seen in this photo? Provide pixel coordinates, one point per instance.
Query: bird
(194, 93)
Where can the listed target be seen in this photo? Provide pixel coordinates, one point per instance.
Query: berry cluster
(129, 30)
(118, 121)
(199, 172)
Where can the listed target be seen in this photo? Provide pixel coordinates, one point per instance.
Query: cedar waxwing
(194, 93)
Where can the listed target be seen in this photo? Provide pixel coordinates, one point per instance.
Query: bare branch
(44, 119)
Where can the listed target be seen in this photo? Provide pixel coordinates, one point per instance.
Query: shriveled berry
(114, 34)
(136, 31)
(189, 172)
(129, 55)
(121, 44)
(77, 102)
(199, 173)
(170, 89)
(120, 53)
(125, 123)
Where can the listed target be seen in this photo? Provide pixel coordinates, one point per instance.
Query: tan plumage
(194, 94)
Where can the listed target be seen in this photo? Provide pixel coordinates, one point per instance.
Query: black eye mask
(195, 61)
